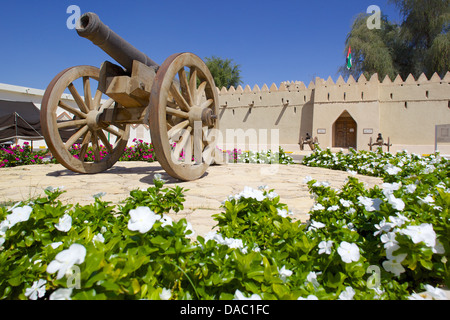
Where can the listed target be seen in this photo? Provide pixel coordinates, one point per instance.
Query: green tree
(225, 72)
(421, 43)
(425, 29)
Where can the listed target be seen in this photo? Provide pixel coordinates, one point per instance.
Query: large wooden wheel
(183, 116)
(82, 129)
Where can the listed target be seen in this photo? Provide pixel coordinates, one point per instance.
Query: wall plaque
(367, 130)
(321, 131)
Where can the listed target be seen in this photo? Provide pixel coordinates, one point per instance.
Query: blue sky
(272, 41)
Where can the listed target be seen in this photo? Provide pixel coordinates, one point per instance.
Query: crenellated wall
(405, 111)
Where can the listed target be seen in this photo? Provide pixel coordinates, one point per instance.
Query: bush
(20, 155)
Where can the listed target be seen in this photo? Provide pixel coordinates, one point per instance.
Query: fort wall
(405, 111)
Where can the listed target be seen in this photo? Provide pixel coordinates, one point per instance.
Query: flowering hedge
(20, 155)
(388, 242)
(266, 157)
(140, 151)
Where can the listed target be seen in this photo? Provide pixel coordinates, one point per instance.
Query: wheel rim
(82, 129)
(184, 112)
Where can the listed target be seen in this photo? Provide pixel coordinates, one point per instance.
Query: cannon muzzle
(90, 26)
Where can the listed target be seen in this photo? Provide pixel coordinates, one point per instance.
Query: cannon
(177, 100)
(380, 143)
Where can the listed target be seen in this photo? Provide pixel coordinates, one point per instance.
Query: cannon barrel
(90, 26)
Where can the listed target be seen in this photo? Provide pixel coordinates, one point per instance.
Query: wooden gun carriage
(380, 144)
(177, 100)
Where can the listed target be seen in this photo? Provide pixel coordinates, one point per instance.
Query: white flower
(251, 193)
(399, 220)
(424, 233)
(312, 277)
(396, 203)
(348, 251)
(391, 169)
(416, 296)
(61, 294)
(333, 208)
(316, 225)
(166, 294)
(98, 237)
(310, 297)
(283, 213)
(2, 241)
(55, 245)
(325, 247)
(317, 206)
(64, 224)
(427, 200)
(19, 214)
(142, 219)
(389, 239)
(383, 226)
(307, 179)
(238, 295)
(398, 258)
(37, 290)
(166, 220)
(284, 273)
(369, 204)
(345, 203)
(438, 248)
(347, 294)
(66, 259)
(410, 188)
(393, 266)
(436, 293)
(389, 188)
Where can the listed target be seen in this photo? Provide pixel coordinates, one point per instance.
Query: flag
(349, 58)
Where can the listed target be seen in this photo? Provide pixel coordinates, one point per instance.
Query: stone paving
(203, 199)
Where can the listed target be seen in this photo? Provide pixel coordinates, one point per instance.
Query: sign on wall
(442, 134)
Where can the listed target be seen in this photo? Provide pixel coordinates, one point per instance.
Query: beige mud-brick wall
(406, 111)
(410, 110)
(358, 100)
(256, 112)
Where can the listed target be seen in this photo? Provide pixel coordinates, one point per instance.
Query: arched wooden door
(345, 131)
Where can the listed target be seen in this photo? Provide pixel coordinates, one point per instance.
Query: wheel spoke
(118, 134)
(207, 103)
(95, 146)
(197, 145)
(105, 141)
(174, 130)
(76, 136)
(71, 123)
(87, 93)
(178, 113)
(185, 90)
(76, 96)
(73, 111)
(200, 92)
(179, 99)
(84, 145)
(193, 84)
(97, 100)
(184, 140)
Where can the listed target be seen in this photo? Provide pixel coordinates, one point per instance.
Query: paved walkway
(203, 199)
